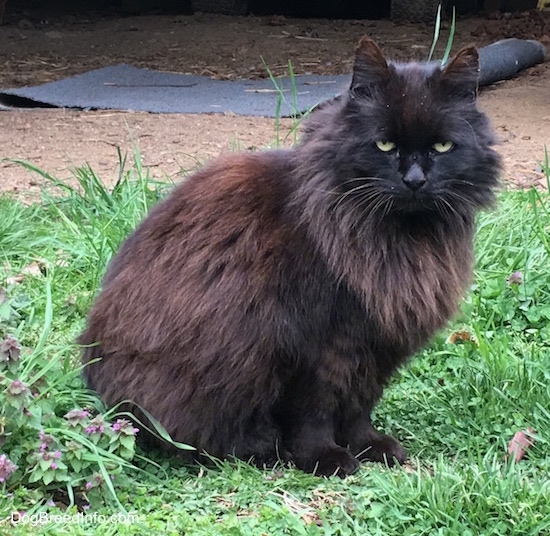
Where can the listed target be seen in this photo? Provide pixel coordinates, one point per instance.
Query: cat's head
(408, 137)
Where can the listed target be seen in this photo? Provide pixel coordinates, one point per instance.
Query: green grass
(455, 407)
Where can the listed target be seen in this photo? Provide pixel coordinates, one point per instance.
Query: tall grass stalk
(437, 30)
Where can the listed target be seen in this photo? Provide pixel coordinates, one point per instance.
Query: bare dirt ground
(35, 50)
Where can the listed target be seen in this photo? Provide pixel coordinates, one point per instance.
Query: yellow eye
(385, 146)
(443, 146)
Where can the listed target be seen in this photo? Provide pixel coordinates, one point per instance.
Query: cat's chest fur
(408, 283)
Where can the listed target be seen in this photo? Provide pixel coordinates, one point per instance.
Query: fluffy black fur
(260, 310)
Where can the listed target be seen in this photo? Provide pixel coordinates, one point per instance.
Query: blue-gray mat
(124, 87)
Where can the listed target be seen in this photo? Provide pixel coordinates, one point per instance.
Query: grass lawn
(456, 406)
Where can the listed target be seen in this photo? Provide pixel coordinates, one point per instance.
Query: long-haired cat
(261, 308)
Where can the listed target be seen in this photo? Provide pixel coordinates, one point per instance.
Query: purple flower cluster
(75, 416)
(47, 455)
(95, 426)
(7, 467)
(515, 278)
(97, 480)
(17, 388)
(10, 349)
(125, 427)
(95, 429)
(45, 440)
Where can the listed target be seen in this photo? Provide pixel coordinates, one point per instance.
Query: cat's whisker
(362, 189)
(389, 207)
(363, 179)
(365, 200)
(472, 130)
(370, 201)
(460, 197)
(464, 181)
(444, 207)
(379, 208)
(366, 184)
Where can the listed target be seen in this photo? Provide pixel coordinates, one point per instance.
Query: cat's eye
(443, 146)
(385, 146)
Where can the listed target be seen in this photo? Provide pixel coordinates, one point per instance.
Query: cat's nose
(414, 178)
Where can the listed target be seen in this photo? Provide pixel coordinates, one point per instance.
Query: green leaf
(36, 474)
(34, 420)
(76, 465)
(48, 477)
(5, 310)
(44, 464)
(127, 442)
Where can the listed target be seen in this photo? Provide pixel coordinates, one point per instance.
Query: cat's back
(214, 250)
(227, 201)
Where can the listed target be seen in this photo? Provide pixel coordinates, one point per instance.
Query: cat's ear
(461, 75)
(370, 68)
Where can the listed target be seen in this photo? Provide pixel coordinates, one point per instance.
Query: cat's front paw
(332, 461)
(385, 449)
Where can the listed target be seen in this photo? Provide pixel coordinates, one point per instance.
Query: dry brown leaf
(311, 519)
(520, 443)
(35, 268)
(14, 280)
(461, 336)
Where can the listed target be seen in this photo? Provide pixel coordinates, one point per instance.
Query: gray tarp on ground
(124, 87)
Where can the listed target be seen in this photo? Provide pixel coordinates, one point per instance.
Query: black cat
(260, 309)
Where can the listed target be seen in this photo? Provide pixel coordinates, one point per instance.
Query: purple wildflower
(89, 485)
(10, 349)
(7, 467)
(76, 415)
(515, 278)
(95, 426)
(53, 466)
(17, 388)
(46, 440)
(125, 427)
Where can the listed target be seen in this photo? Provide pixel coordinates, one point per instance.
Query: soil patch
(36, 50)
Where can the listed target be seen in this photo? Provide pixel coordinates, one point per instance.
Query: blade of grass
(280, 99)
(447, 52)
(48, 316)
(437, 29)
